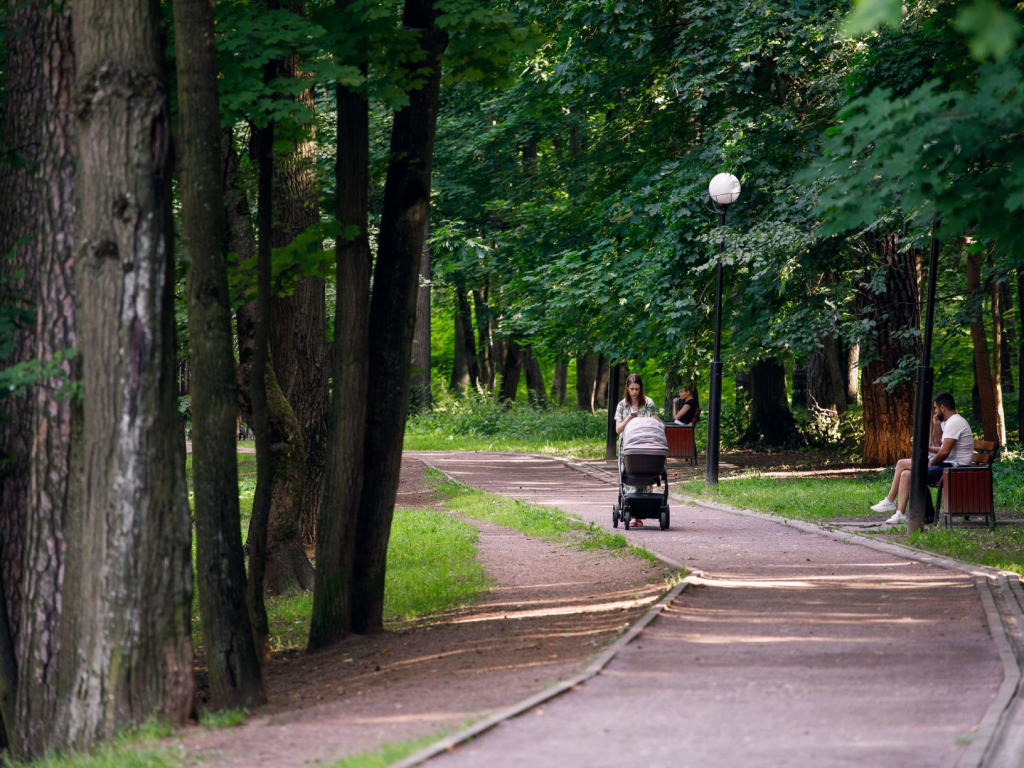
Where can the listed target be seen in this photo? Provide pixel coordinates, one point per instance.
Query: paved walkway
(795, 650)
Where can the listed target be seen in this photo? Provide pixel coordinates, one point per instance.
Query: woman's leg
(902, 467)
(901, 503)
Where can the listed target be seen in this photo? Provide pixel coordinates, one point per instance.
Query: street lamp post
(724, 190)
(919, 493)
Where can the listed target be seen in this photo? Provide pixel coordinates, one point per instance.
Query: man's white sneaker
(896, 519)
(884, 506)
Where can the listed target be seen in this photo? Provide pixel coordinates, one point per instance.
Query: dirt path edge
(991, 745)
(600, 662)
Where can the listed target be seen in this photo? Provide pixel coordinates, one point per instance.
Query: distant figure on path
(957, 449)
(685, 408)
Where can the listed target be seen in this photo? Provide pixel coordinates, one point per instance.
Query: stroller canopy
(644, 435)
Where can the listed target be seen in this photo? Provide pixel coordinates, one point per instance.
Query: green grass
(531, 519)
(132, 749)
(224, 718)
(1002, 548)
(388, 753)
(477, 422)
(800, 498)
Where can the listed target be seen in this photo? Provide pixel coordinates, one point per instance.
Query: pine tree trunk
(419, 393)
(559, 380)
(20, 204)
(534, 379)
(510, 372)
(57, 418)
(298, 328)
(393, 312)
(128, 579)
(231, 659)
(997, 365)
(343, 478)
(889, 413)
(460, 370)
(586, 381)
(771, 421)
(982, 366)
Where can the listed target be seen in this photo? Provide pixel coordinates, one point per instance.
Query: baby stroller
(643, 449)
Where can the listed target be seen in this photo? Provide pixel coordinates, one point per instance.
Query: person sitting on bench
(685, 408)
(957, 449)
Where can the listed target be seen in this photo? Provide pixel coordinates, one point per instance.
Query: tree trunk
(57, 418)
(460, 370)
(464, 316)
(419, 394)
(997, 365)
(771, 422)
(801, 374)
(889, 413)
(559, 380)
(510, 372)
(825, 387)
(983, 369)
(20, 204)
(485, 350)
(234, 667)
(851, 374)
(344, 475)
(601, 384)
(298, 328)
(1009, 342)
(393, 311)
(586, 381)
(128, 585)
(1020, 354)
(534, 379)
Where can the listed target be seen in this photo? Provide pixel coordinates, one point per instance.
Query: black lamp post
(919, 493)
(724, 190)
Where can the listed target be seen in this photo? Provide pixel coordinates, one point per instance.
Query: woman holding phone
(634, 403)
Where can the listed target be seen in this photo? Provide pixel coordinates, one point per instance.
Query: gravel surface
(794, 650)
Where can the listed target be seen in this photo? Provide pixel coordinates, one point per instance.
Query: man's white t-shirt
(957, 428)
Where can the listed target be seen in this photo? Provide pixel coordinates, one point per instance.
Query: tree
(231, 659)
(771, 421)
(128, 579)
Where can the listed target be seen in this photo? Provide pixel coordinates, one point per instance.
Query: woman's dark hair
(634, 378)
(692, 389)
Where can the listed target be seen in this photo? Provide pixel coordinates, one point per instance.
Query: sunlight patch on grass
(532, 519)
(1002, 548)
(388, 754)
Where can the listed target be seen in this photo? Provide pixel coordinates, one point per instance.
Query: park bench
(681, 441)
(966, 492)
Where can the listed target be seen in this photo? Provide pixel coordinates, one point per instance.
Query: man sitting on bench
(957, 449)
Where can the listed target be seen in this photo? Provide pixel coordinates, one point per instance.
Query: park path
(793, 650)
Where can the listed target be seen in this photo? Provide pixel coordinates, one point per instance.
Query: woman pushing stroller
(642, 452)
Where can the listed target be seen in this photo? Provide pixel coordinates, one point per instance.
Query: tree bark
(771, 421)
(601, 384)
(56, 416)
(464, 317)
(485, 350)
(559, 380)
(460, 369)
(586, 381)
(825, 387)
(801, 374)
(997, 365)
(852, 374)
(534, 379)
(298, 328)
(983, 368)
(128, 579)
(510, 369)
(419, 394)
(889, 412)
(344, 475)
(393, 312)
(20, 203)
(1020, 354)
(1009, 338)
(231, 659)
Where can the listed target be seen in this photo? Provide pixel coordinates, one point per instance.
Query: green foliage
(18, 379)
(224, 718)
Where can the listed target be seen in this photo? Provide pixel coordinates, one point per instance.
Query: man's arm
(944, 449)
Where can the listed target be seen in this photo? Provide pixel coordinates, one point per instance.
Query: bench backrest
(985, 452)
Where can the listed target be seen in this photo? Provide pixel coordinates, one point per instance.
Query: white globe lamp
(724, 189)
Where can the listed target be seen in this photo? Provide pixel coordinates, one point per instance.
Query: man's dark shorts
(935, 472)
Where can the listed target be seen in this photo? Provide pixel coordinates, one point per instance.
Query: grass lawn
(132, 749)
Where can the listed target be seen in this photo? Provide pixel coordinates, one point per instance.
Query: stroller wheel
(615, 515)
(664, 518)
(625, 518)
